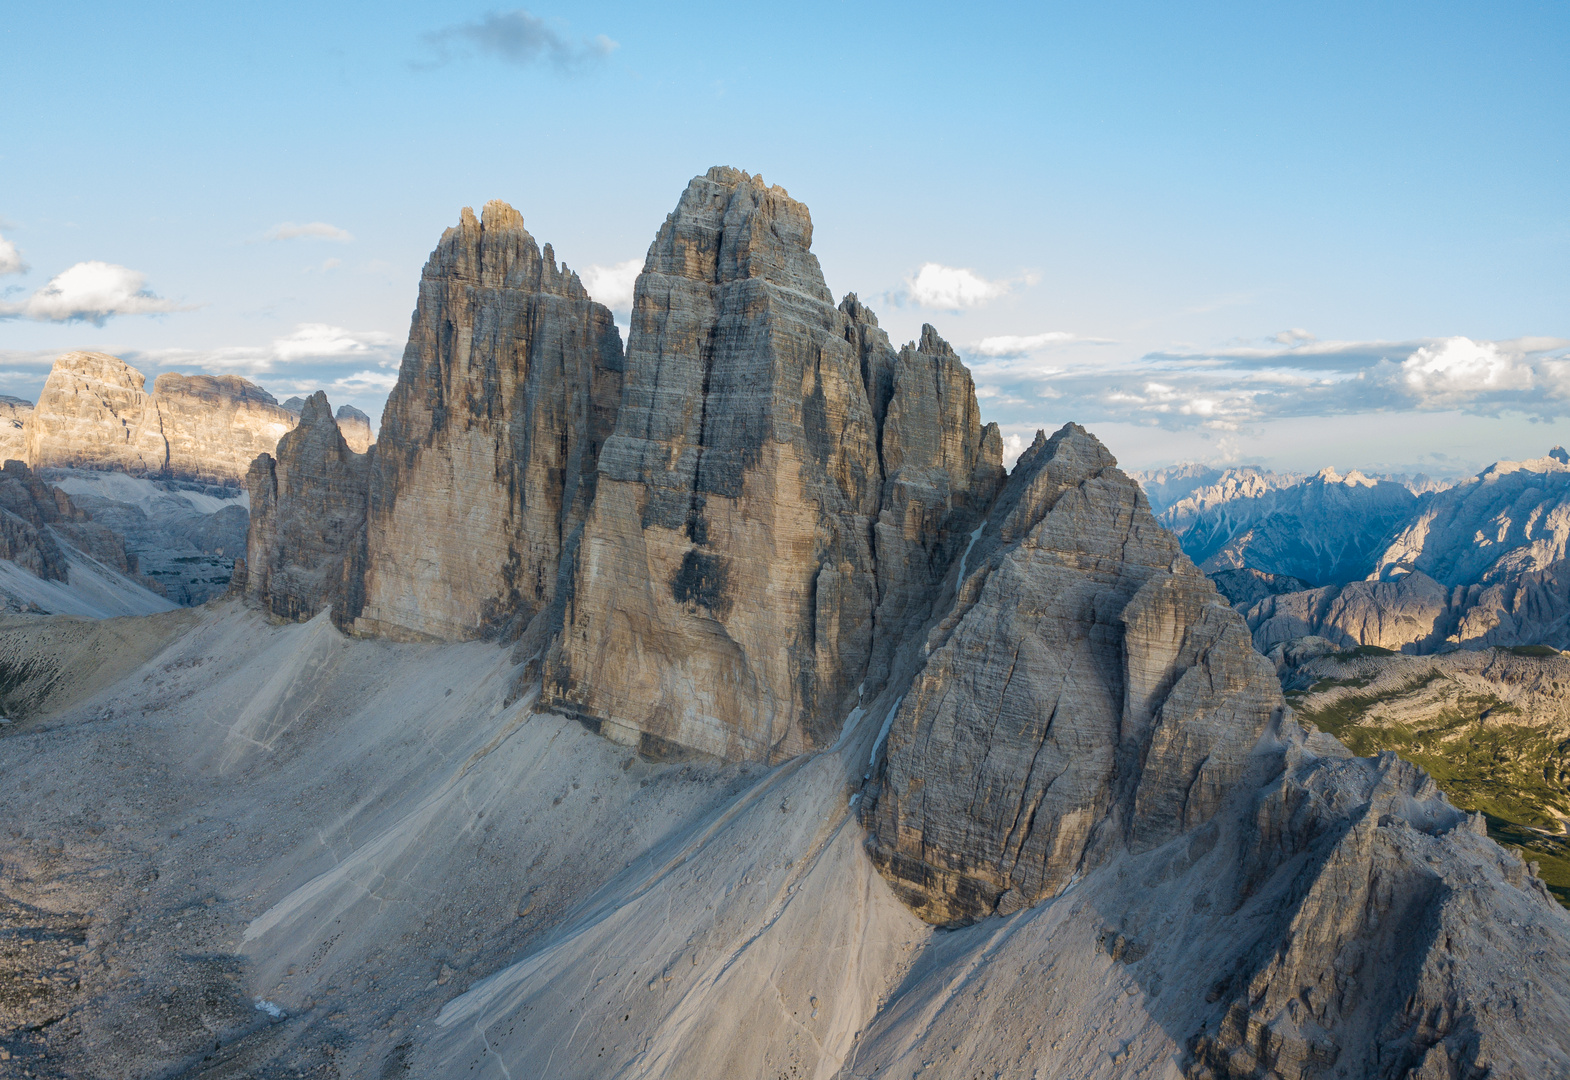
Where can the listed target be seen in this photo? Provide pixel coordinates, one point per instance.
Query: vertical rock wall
(307, 536)
(485, 459)
(93, 413)
(723, 596)
(215, 425)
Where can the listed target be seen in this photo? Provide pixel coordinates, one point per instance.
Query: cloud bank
(516, 37)
(90, 292)
(1286, 375)
(951, 288)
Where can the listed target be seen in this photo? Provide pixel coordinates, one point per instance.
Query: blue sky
(1296, 234)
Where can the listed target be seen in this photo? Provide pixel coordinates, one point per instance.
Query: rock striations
(1089, 683)
(725, 593)
(94, 413)
(509, 387)
(763, 520)
(307, 519)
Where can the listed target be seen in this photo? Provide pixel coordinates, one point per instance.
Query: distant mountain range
(1409, 564)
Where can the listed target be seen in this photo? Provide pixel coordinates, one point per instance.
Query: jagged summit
(763, 533)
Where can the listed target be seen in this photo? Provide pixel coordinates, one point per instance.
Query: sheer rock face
(13, 428)
(723, 596)
(35, 517)
(486, 456)
(1089, 688)
(215, 425)
(94, 413)
(941, 471)
(307, 536)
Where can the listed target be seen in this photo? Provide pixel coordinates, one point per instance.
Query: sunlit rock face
(307, 538)
(94, 413)
(485, 461)
(1089, 688)
(726, 593)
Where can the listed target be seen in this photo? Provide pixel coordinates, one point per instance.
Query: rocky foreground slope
(823, 748)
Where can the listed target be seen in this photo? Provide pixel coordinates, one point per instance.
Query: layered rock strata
(1089, 688)
(356, 428)
(726, 592)
(485, 463)
(13, 428)
(94, 413)
(307, 532)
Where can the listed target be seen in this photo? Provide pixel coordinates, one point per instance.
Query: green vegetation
(1534, 650)
(1363, 650)
(1517, 775)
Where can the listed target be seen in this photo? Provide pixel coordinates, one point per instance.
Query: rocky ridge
(794, 542)
(1472, 564)
(94, 413)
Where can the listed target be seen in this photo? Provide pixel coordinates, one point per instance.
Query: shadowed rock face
(305, 548)
(35, 516)
(486, 456)
(356, 428)
(726, 591)
(1089, 688)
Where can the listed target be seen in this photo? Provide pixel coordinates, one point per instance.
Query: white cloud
(316, 341)
(363, 382)
(307, 343)
(90, 292)
(1013, 447)
(1015, 345)
(1295, 336)
(950, 288)
(612, 285)
(10, 259)
(314, 230)
(1455, 369)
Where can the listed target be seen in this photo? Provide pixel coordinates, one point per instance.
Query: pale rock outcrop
(354, 424)
(13, 428)
(356, 428)
(94, 414)
(307, 520)
(215, 425)
(941, 470)
(1088, 689)
(724, 593)
(485, 461)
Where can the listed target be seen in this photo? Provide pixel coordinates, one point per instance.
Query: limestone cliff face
(307, 533)
(941, 472)
(34, 520)
(94, 414)
(723, 596)
(485, 460)
(1089, 688)
(13, 428)
(215, 425)
(356, 428)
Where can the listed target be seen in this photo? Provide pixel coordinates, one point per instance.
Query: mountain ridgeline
(761, 530)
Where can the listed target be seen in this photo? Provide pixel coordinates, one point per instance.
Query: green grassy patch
(1364, 650)
(1533, 650)
(1517, 775)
